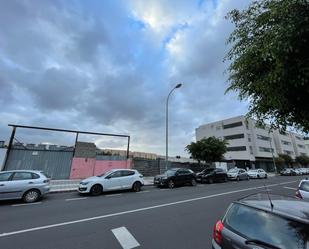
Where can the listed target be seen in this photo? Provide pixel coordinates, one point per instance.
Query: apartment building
(250, 145)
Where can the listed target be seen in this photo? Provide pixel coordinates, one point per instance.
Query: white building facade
(250, 146)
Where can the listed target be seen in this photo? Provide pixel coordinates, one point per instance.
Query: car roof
(22, 170)
(288, 207)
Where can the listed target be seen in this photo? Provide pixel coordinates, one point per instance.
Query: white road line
(76, 199)
(142, 192)
(125, 238)
(26, 204)
(290, 188)
(134, 210)
(112, 195)
(164, 189)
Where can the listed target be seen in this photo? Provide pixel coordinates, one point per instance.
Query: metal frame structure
(77, 132)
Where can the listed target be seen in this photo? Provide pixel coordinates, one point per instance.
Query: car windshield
(233, 171)
(106, 173)
(205, 171)
(264, 226)
(170, 172)
(253, 170)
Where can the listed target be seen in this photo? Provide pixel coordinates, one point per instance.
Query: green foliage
(207, 149)
(302, 160)
(270, 61)
(286, 159)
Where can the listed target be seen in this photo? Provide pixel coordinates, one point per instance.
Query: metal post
(9, 147)
(76, 139)
(166, 125)
(128, 148)
(272, 152)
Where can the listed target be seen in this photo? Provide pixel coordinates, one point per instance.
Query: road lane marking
(76, 199)
(113, 195)
(290, 188)
(142, 192)
(134, 210)
(125, 238)
(26, 204)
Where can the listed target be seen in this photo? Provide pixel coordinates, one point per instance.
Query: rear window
(251, 223)
(304, 186)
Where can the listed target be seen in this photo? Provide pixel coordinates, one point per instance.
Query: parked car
(116, 179)
(303, 190)
(28, 185)
(304, 171)
(237, 174)
(287, 172)
(258, 223)
(298, 172)
(257, 173)
(175, 177)
(211, 175)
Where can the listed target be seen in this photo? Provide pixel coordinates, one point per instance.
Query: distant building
(250, 145)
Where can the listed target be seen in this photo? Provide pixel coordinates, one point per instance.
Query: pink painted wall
(82, 167)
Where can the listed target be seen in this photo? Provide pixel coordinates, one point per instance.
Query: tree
(287, 159)
(302, 160)
(207, 149)
(269, 58)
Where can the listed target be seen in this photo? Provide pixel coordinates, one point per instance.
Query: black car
(211, 175)
(256, 222)
(175, 177)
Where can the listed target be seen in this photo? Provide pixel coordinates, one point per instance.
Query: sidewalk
(72, 185)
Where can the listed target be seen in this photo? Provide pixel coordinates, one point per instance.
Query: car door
(180, 177)
(219, 176)
(112, 181)
(127, 179)
(5, 186)
(21, 182)
(242, 174)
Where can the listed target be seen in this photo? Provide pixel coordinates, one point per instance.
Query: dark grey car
(253, 223)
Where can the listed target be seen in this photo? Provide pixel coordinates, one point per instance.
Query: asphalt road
(154, 218)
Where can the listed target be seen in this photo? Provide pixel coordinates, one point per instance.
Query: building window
(247, 124)
(301, 146)
(261, 137)
(283, 133)
(303, 154)
(288, 152)
(297, 137)
(249, 137)
(263, 149)
(285, 142)
(232, 125)
(237, 148)
(236, 136)
(218, 128)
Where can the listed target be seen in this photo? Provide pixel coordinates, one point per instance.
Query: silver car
(28, 185)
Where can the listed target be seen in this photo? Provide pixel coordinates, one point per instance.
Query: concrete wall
(86, 167)
(2, 157)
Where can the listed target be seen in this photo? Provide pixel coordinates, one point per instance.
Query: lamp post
(272, 152)
(166, 123)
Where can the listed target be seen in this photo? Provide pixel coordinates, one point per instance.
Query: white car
(117, 179)
(303, 190)
(298, 172)
(257, 173)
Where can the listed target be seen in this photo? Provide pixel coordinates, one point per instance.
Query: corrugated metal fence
(56, 162)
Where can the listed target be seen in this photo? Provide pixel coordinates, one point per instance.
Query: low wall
(86, 167)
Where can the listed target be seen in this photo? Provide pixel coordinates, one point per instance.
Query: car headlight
(84, 183)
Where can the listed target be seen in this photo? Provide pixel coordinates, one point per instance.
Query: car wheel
(225, 179)
(258, 176)
(31, 195)
(210, 181)
(193, 182)
(136, 187)
(248, 178)
(237, 178)
(171, 184)
(96, 189)
(265, 176)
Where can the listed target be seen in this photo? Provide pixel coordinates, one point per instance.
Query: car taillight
(217, 236)
(141, 176)
(298, 195)
(46, 181)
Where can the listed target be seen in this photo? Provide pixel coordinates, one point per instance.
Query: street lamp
(166, 123)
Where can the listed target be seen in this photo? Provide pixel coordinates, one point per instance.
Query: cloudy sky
(107, 66)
